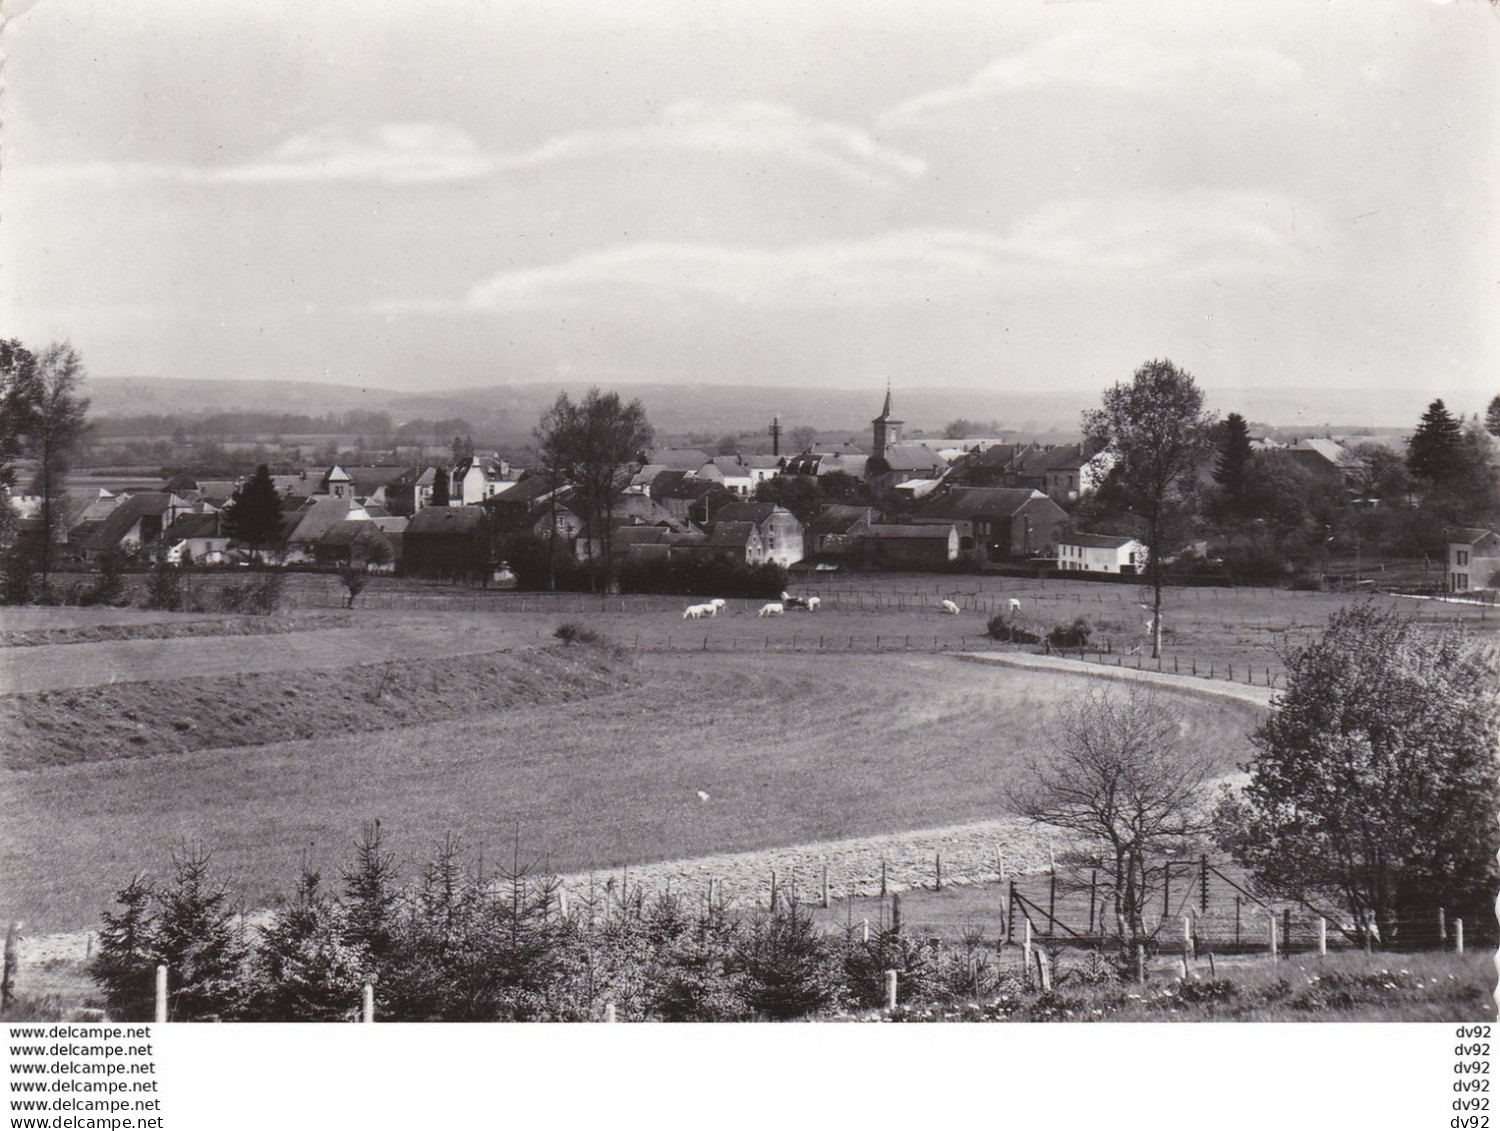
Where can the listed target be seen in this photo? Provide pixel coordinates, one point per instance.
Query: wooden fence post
(8, 977)
(864, 930)
(367, 1004)
(1458, 936)
(890, 989)
(773, 891)
(938, 861)
(825, 885)
(1010, 904)
(1026, 950)
(1140, 963)
(161, 995)
(1188, 949)
(1442, 926)
(1322, 938)
(1286, 931)
(609, 1012)
(882, 879)
(1044, 970)
(896, 913)
(1271, 940)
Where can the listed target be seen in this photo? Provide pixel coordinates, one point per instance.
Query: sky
(1020, 195)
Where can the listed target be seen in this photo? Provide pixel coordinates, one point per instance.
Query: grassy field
(790, 748)
(1206, 630)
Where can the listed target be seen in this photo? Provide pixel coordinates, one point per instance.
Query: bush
(571, 632)
(19, 581)
(1002, 628)
(164, 587)
(1075, 635)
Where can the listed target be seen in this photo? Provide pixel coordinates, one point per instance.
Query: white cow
(813, 603)
(1015, 605)
(950, 607)
(718, 603)
(771, 609)
(696, 611)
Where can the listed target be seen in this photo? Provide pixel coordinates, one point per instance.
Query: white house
(1101, 553)
(1473, 560)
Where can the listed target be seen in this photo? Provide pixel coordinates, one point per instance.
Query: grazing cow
(771, 609)
(813, 603)
(950, 607)
(718, 603)
(1015, 605)
(695, 611)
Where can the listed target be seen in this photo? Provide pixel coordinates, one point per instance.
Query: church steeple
(887, 429)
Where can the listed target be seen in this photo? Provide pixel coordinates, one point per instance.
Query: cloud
(426, 152)
(401, 153)
(1107, 62)
(1078, 243)
(739, 129)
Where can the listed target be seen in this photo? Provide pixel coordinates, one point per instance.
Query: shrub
(19, 579)
(571, 632)
(1002, 628)
(164, 587)
(1075, 635)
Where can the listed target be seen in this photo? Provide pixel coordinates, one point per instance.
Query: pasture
(790, 748)
(846, 722)
(1207, 631)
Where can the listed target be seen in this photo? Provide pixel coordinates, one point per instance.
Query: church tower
(886, 427)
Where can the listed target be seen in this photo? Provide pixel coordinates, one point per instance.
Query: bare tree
(592, 443)
(1119, 775)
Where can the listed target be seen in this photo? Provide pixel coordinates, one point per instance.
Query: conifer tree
(253, 514)
(196, 936)
(1435, 453)
(125, 965)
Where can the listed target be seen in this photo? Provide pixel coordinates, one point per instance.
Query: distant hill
(512, 410)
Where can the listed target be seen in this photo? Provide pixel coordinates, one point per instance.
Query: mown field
(790, 749)
(848, 722)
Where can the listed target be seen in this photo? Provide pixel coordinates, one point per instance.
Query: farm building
(196, 537)
(136, 523)
(1101, 553)
(446, 542)
(837, 529)
(781, 533)
(1473, 560)
(909, 547)
(995, 524)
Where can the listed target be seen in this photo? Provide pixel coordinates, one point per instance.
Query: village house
(137, 523)
(1473, 560)
(196, 537)
(1101, 553)
(781, 533)
(477, 478)
(836, 530)
(995, 524)
(314, 521)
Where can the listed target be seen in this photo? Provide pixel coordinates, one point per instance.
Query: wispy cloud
(1192, 236)
(399, 153)
(739, 129)
(427, 152)
(1106, 61)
